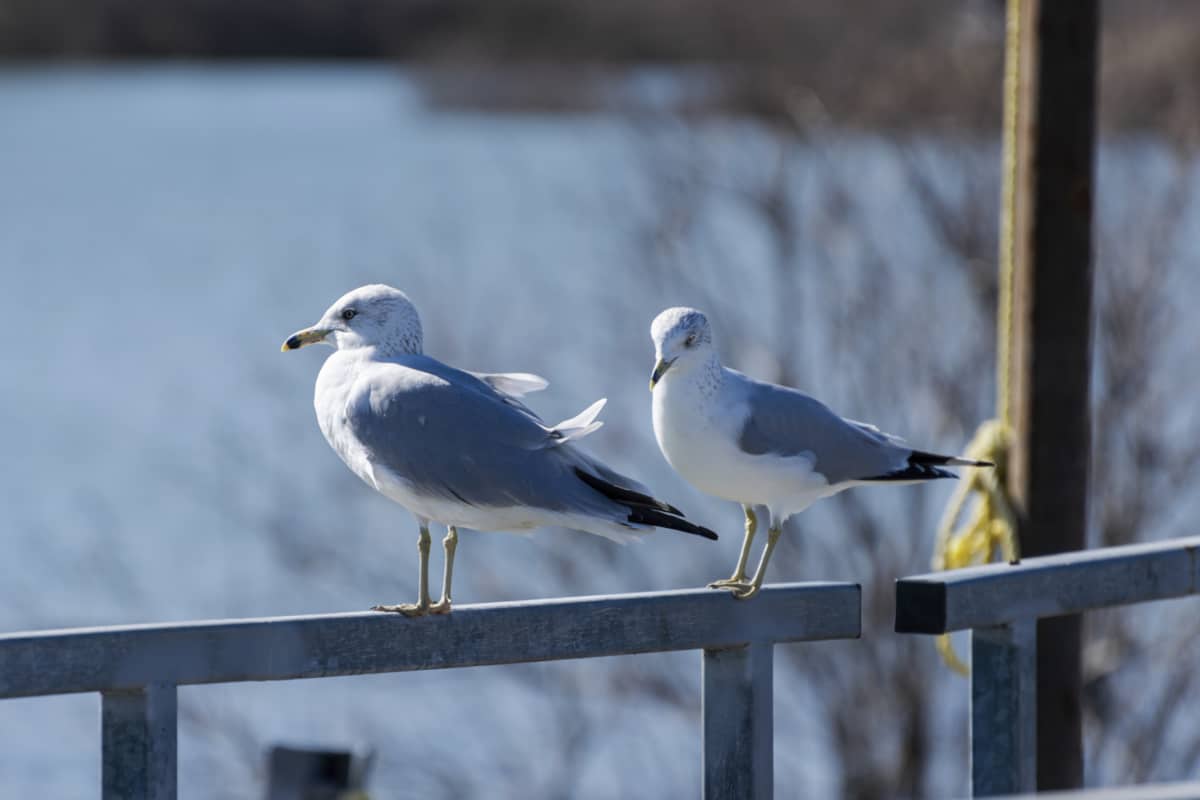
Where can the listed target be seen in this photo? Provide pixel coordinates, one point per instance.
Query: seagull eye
(690, 340)
(349, 314)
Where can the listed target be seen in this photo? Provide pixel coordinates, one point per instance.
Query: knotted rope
(991, 529)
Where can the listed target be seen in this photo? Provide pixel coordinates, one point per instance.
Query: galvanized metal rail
(136, 668)
(1146, 791)
(1001, 603)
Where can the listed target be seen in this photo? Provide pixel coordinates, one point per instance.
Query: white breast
(330, 396)
(695, 440)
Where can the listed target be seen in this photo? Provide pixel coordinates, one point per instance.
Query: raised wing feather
(513, 384)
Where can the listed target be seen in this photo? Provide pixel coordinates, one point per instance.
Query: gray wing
(785, 422)
(447, 436)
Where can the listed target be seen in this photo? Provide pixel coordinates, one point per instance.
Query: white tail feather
(956, 461)
(582, 424)
(514, 384)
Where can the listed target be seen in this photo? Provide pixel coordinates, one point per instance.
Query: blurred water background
(164, 226)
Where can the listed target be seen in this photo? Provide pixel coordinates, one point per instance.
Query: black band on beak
(305, 337)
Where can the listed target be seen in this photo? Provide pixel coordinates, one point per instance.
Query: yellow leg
(745, 591)
(449, 544)
(739, 573)
(422, 605)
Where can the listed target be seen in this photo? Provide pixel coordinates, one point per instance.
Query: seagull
(763, 445)
(456, 447)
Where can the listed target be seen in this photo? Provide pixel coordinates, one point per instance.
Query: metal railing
(1146, 791)
(1000, 604)
(136, 668)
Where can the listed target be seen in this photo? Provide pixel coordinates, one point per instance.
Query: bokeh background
(183, 183)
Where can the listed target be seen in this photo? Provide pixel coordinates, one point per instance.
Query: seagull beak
(660, 369)
(305, 337)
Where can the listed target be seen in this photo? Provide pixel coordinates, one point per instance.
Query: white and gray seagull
(456, 447)
(760, 444)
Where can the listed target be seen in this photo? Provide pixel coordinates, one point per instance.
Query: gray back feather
(452, 435)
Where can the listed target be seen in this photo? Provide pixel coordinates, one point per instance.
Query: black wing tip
(923, 466)
(625, 496)
(933, 459)
(914, 472)
(649, 516)
(643, 509)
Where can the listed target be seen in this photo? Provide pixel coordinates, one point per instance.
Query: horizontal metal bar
(283, 648)
(1147, 791)
(1067, 583)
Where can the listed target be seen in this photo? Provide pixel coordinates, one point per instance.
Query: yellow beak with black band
(304, 338)
(660, 369)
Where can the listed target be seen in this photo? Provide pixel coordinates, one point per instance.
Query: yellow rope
(1008, 211)
(991, 528)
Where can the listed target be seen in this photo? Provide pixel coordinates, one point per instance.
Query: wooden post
(1050, 341)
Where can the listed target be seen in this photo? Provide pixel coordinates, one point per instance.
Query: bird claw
(440, 607)
(743, 591)
(407, 609)
(727, 583)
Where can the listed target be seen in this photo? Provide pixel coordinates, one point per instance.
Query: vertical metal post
(1051, 336)
(739, 758)
(139, 743)
(1004, 709)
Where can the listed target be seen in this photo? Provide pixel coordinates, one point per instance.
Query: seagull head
(370, 316)
(682, 341)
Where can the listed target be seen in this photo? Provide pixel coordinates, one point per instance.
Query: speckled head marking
(376, 316)
(683, 340)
